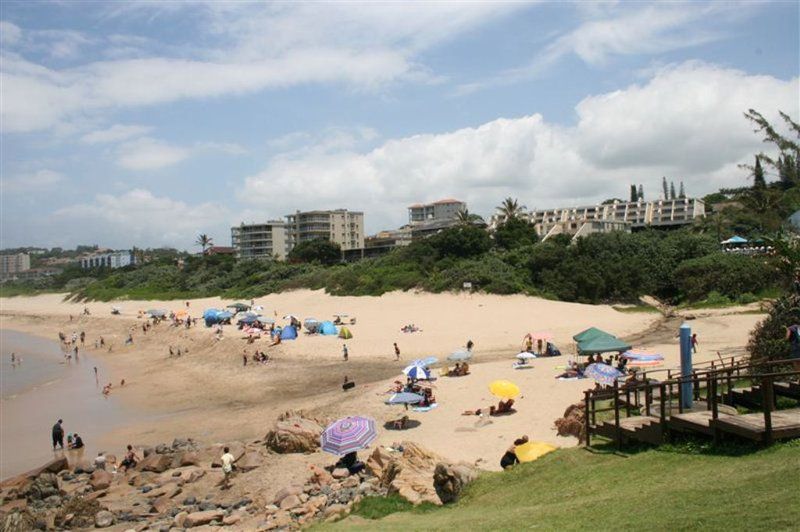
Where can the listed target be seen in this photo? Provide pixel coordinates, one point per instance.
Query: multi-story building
(13, 264)
(110, 259)
(260, 240)
(344, 227)
(445, 209)
(639, 214)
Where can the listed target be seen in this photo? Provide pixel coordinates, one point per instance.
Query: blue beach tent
(289, 333)
(328, 328)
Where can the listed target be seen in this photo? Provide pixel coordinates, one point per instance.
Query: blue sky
(144, 123)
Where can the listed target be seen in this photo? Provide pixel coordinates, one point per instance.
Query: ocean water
(35, 393)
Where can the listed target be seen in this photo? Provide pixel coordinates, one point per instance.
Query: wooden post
(709, 377)
(714, 412)
(627, 402)
(662, 414)
(730, 387)
(767, 399)
(695, 386)
(617, 430)
(680, 394)
(648, 399)
(586, 419)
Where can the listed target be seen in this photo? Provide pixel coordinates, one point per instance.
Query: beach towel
(425, 408)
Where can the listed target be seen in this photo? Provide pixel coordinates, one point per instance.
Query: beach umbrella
(290, 317)
(262, 319)
(426, 362)
(239, 307)
(460, 356)
(341, 315)
(542, 335)
(645, 363)
(258, 307)
(532, 450)
(417, 372)
(602, 373)
(504, 389)
(635, 354)
(348, 435)
(157, 312)
(224, 315)
(526, 356)
(404, 398)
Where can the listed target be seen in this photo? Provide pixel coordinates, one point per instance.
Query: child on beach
(396, 352)
(227, 468)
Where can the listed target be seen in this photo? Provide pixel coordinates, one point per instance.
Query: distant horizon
(143, 123)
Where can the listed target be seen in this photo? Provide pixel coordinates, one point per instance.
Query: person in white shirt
(227, 467)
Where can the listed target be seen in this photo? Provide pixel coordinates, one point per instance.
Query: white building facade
(266, 240)
(112, 259)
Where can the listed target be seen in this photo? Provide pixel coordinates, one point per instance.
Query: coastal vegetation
(570, 490)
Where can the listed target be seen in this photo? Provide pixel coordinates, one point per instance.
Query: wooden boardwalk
(785, 424)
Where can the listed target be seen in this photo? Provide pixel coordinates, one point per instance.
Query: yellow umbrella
(180, 313)
(528, 452)
(504, 389)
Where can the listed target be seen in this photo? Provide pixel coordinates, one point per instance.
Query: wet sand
(44, 388)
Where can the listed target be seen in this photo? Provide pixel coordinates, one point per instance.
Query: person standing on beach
(76, 353)
(58, 434)
(83, 337)
(345, 353)
(396, 352)
(13, 359)
(227, 468)
(694, 343)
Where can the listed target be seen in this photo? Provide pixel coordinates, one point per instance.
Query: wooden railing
(715, 382)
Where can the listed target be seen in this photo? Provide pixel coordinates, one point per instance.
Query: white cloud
(41, 180)
(138, 217)
(362, 46)
(115, 133)
(9, 33)
(623, 30)
(147, 153)
(685, 123)
(150, 154)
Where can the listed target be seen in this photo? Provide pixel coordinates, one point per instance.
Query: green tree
(319, 250)
(458, 242)
(204, 241)
(515, 233)
(759, 183)
(682, 193)
(465, 217)
(671, 190)
(634, 194)
(664, 187)
(640, 194)
(510, 208)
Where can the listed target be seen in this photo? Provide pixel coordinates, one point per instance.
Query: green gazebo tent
(590, 334)
(602, 344)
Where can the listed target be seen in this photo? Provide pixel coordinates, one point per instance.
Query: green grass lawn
(682, 487)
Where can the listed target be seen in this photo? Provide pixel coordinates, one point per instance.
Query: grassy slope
(652, 489)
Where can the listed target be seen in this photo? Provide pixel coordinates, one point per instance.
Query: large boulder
(573, 423)
(100, 480)
(236, 448)
(103, 519)
(294, 433)
(251, 460)
(42, 487)
(408, 473)
(156, 462)
(203, 518)
(449, 480)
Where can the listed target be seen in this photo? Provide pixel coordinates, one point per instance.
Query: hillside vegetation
(669, 488)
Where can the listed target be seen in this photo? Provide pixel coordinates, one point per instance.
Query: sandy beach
(207, 394)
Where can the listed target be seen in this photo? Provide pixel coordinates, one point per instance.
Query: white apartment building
(444, 209)
(344, 227)
(11, 265)
(260, 240)
(111, 259)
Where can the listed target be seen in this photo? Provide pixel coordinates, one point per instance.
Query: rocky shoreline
(176, 486)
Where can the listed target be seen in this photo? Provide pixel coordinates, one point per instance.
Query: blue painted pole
(686, 364)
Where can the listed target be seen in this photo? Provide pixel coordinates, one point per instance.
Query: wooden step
(692, 422)
(787, 389)
(785, 424)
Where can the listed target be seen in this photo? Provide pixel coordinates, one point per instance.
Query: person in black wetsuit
(510, 458)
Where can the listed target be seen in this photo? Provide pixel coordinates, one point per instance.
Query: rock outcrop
(573, 423)
(408, 473)
(294, 433)
(450, 479)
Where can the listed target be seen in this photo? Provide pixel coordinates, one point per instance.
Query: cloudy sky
(146, 123)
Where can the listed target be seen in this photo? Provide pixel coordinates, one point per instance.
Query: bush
(730, 275)
(768, 339)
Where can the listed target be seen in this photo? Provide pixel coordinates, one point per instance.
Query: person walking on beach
(83, 337)
(345, 353)
(396, 352)
(227, 468)
(13, 359)
(694, 343)
(58, 434)
(244, 358)
(76, 352)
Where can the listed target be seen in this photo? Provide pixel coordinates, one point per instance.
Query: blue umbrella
(460, 356)
(417, 372)
(404, 398)
(603, 373)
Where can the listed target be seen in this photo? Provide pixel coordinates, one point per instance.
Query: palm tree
(465, 217)
(510, 208)
(204, 241)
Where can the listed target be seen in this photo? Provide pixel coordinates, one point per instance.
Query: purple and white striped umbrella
(348, 434)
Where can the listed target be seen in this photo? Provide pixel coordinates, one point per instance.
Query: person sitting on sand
(100, 461)
(77, 442)
(476, 412)
(510, 457)
(573, 371)
(351, 463)
(276, 341)
(400, 424)
(504, 407)
(130, 460)
(464, 369)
